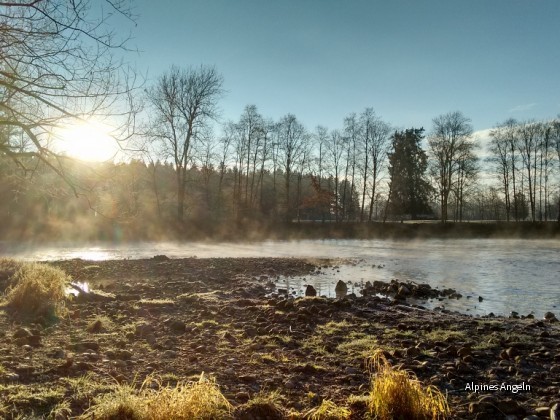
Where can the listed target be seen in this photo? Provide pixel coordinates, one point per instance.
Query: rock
(177, 326)
(34, 340)
(95, 327)
(480, 299)
(11, 376)
(412, 352)
(247, 378)
(403, 291)
(512, 352)
(464, 351)
(341, 289)
(169, 354)
(160, 258)
(123, 355)
(510, 407)
(57, 353)
(143, 330)
(22, 333)
(550, 317)
(290, 384)
(310, 291)
(85, 345)
(24, 370)
(242, 397)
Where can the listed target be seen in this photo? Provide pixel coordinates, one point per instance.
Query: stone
(512, 352)
(464, 351)
(510, 407)
(549, 315)
(24, 370)
(169, 354)
(11, 376)
(403, 291)
(412, 352)
(310, 291)
(177, 326)
(86, 345)
(95, 327)
(57, 353)
(341, 289)
(22, 333)
(242, 397)
(143, 330)
(123, 354)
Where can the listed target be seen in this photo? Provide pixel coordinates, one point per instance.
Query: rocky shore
(178, 318)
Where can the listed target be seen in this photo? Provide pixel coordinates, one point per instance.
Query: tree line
(184, 168)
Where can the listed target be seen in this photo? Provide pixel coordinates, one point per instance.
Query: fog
(510, 274)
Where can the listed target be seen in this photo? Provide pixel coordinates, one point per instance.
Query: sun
(87, 140)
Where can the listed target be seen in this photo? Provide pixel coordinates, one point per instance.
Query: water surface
(511, 275)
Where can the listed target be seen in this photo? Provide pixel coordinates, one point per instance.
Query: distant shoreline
(259, 231)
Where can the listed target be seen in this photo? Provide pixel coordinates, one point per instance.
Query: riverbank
(178, 318)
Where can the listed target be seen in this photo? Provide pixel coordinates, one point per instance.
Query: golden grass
(398, 394)
(187, 400)
(328, 410)
(37, 290)
(156, 302)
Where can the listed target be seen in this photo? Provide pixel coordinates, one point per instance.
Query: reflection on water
(512, 275)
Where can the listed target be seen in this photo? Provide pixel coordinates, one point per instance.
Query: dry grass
(37, 290)
(8, 267)
(328, 410)
(187, 400)
(398, 394)
(262, 405)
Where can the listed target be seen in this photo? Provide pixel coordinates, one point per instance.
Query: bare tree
(503, 149)
(376, 138)
(335, 151)
(183, 101)
(57, 65)
(449, 141)
(555, 134)
(292, 137)
(528, 146)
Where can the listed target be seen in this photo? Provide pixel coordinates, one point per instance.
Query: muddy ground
(178, 318)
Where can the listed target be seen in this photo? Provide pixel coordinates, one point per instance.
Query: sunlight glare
(88, 141)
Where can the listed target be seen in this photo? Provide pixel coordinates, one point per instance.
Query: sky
(321, 60)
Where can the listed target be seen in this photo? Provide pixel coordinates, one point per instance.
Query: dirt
(178, 318)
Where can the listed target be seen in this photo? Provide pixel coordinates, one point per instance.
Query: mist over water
(511, 275)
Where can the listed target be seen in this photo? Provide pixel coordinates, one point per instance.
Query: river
(511, 275)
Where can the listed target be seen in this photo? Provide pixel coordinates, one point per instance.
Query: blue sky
(323, 59)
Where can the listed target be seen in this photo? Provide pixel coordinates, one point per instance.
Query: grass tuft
(37, 290)
(187, 400)
(262, 405)
(8, 267)
(328, 410)
(398, 394)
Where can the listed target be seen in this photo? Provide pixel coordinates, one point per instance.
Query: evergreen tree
(409, 190)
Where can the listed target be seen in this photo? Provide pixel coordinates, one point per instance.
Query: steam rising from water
(511, 274)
